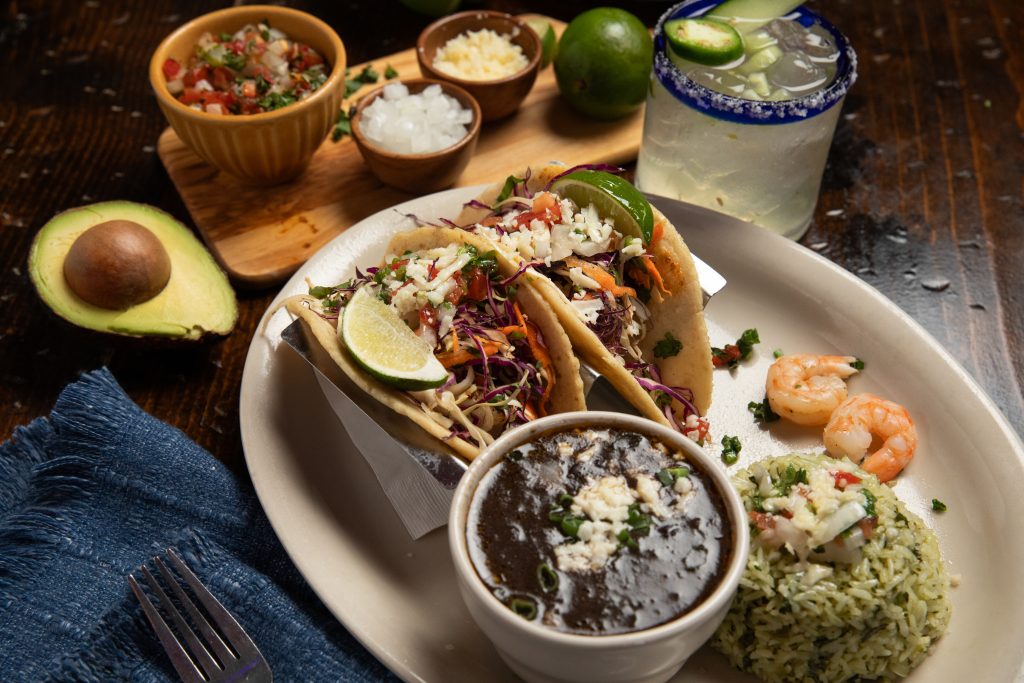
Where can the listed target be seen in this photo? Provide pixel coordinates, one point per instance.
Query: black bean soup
(598, 531)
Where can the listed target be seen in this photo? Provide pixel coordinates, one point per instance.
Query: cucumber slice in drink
(613, 198)
(750, 15)
(381, 342)
(704, 41)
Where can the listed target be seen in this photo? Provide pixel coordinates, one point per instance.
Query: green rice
(876, 619)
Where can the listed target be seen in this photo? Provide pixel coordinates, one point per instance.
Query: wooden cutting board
(262, 235)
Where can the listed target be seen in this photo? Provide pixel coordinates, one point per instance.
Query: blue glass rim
(737, 109)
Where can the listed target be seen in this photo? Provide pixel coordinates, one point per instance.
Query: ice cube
(819, 45)
(795, 72)
(760, 60)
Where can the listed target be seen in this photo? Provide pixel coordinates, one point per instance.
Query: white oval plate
(399, 597)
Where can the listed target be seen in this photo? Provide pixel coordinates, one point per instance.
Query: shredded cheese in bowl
(483, 55)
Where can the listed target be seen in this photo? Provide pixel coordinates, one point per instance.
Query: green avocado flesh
(197, 300)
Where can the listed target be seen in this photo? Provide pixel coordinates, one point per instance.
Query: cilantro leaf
(938, 505)
(390, 72)
(668, 347)
(732, 354)
(762, 411)
(857, 364)
(342, 126)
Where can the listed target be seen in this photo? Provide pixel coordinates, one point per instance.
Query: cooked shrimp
(864, 418)
(806, 389)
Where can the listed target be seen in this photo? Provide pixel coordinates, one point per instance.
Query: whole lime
(604, 62)
(432, 8)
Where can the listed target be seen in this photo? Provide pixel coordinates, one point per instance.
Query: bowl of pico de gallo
(253, 90)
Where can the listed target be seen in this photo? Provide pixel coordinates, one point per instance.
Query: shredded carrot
(653, 270)
(452, 358)
(531, 410)
(540, 353)
(603, 277)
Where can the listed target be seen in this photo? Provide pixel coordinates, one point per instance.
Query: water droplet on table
(935, 284)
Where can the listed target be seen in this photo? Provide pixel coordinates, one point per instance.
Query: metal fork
(229, 656)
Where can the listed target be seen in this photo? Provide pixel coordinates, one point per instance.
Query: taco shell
(566, 394)
(679, 313)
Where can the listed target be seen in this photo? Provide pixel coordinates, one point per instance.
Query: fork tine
(183, 664)
(204, 662)
(233, 633)
(209, 634)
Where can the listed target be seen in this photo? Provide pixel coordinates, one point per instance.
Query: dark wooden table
(922, 197)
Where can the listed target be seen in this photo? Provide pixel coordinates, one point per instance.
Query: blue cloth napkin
(91, 493)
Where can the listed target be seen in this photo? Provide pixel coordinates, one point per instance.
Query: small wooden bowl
(498, 98)
(419, 173)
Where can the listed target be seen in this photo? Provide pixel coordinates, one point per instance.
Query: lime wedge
(548, 42)
(613, 198)
(381, 342)
(750, 15)
(704, 41)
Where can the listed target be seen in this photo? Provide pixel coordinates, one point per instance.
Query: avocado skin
(198, 300)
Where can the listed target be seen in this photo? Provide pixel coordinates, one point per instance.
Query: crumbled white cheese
(564, 449)
(588, 309)
(591, 554)
(482, 55)
(682, 486)
(606, 499)
(580, 279)
(633, 247)
(649, 491)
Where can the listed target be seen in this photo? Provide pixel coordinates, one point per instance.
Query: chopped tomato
(222, 78)
(867, 526)
(477, 289)
(432, 272)
(171, 69)
(730, 353)
(544, 201)
(200, 73)
(762, 520)
(456, 293)
(249, 89)
(399, 263)
(844, 479)
(190, 96)
(428, 316)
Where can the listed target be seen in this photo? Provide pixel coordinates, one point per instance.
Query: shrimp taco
(618, 276)
(500, 355)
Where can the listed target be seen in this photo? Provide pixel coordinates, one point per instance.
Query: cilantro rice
(876, 619)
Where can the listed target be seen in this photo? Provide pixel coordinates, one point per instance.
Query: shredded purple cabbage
(607, 168)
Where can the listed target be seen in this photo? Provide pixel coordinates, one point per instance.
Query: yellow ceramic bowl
(261, 149)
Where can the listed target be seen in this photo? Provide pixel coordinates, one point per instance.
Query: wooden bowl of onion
(417, 134)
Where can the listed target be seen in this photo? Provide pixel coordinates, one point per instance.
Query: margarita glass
(711, 139)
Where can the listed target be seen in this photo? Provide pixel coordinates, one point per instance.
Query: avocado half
(197, 299)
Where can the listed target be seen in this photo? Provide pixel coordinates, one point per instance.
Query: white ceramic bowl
(542, 655)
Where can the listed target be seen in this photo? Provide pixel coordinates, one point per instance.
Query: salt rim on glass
(737, 109)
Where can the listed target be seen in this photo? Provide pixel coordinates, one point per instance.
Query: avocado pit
(117, 264)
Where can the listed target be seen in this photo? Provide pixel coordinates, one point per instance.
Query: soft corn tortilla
(566, 394)
(680, 313)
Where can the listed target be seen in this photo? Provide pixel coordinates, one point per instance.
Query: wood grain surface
(262, 235)
(923, 197)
